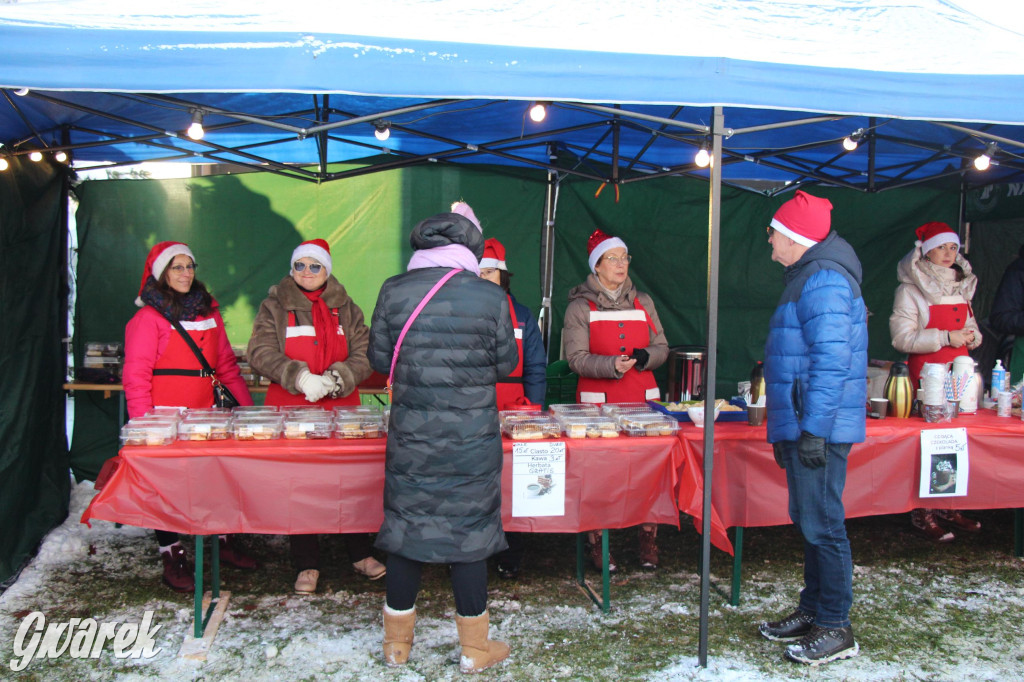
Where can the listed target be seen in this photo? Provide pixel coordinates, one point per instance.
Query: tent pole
(714, 234)
(547, 248)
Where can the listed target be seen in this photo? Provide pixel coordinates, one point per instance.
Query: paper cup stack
(933, 384)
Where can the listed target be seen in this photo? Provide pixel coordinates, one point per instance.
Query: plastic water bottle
(998, 380)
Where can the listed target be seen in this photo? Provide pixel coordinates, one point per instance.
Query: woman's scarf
(191, 303)
(447, 256)
(326, 330)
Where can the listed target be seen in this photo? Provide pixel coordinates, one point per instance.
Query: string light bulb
(196, 131)
(702, 158)
(21, 92)
(60, 156)
(382, 130)
(984, 160)
(851, 141)
(538, 112)
(36, 156)
(3, 164)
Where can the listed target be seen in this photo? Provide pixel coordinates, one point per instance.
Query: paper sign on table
(538, 479)
(944, 463)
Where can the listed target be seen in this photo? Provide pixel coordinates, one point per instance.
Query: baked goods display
(204, 427)
(577, 409)
(358, 425)
(257, 425)
(589, 427)
(530, 425)
(653, 424)
(149, 431)
(615, 409)
(308, 426)
(101, 363)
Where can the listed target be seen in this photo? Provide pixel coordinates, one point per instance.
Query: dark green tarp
(34, 483)
(243, 228)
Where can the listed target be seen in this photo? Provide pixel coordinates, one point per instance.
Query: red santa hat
(160, 256)
(318, 250)
(931, 235)
(466, 211)
(598, 244)
(494, 255)
(806, 219)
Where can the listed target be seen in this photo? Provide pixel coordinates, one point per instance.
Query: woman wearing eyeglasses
(310, 340)
(613, 339)
(160, 369)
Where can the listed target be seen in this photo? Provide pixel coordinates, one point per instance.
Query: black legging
(469, 585)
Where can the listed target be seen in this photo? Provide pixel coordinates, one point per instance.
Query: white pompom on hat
(318, 250)
(598, 243)
(931, 235)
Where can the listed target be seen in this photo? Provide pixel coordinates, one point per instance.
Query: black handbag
(222, 397)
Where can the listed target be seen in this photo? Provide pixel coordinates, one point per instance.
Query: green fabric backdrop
(34, 483)
(243, 228)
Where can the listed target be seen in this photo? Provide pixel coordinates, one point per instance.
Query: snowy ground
(969, 626)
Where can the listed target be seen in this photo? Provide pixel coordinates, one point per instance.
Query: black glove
(777, 449)
(811, 449)
(641, 356)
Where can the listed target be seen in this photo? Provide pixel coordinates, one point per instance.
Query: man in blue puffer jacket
(816, 384)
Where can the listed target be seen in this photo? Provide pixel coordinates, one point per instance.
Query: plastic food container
(149, 431)
(532, 428)
(589, 427)
(256, 426)
(194, 412)
(243, 410)
(615, 409)
(308, 426)
(579, 409)
(356, 425)
(340, 410)
(205, 428)
(174, 413)
(648, 425)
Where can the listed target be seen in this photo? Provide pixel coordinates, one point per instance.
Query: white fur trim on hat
(493, 263)
(166, 256)
(600, 249)
(798, 238)
(317, 253)
(938, 240)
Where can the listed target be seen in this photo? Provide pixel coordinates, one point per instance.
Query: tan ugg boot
(478, 652)
(398, 627)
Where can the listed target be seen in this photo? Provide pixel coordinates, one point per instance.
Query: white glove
(328, 383)
(311, 384)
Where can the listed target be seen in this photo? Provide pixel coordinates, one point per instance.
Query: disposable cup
(755, 414)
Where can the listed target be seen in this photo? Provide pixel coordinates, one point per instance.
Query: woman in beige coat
(932, 321)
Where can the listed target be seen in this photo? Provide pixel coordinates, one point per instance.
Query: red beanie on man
(806, 219)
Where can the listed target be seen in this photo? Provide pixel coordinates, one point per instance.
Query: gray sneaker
(789, 629)
(822, 645)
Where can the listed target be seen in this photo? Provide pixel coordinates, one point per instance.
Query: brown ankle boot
(398, 632)
(649, 547)
(594, 551)
(924, 521)
(478, 652)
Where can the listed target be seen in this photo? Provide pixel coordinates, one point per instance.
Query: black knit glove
(811, 449)
(777, 449)
(642, 357)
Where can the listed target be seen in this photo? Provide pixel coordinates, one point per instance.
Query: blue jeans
(816, 508)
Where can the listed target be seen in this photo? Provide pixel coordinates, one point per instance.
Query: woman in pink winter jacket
(160, 369)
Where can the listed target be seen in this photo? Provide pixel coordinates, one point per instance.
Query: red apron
(947, 317)
(300, 344)
(510, 390)
(618, 332)
(186, 391)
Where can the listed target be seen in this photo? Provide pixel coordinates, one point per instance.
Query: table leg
(214, 570)
(1018, 532)
(737, 565)
(198, 595)
(605, 602)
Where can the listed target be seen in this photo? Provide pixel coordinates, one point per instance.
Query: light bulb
(382, 131)
(982, 162)
(4, 165)
(196, 131)
(61, 157)
(36, 156)
(21, 92)
(849, 144)
(538, 112)
(702, 158)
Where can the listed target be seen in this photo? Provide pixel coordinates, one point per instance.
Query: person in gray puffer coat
(442, 480)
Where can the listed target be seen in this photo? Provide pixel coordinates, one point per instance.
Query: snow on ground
(337, 635)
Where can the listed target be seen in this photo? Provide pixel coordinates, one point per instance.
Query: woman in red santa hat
(932, 321)
(528, 381)
(310, 340)
(160, 369)
(613, 339)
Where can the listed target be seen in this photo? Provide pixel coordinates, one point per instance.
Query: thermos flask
(899, 391)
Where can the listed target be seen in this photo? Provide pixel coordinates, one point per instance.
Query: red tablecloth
(749, 489)
(331, 486)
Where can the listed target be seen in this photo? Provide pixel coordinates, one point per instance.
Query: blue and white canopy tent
(633, 90)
